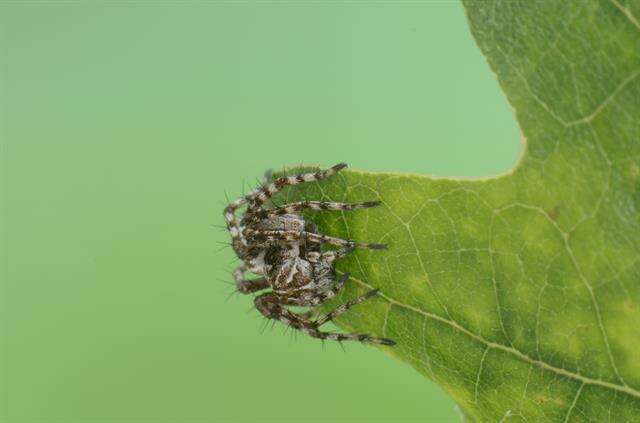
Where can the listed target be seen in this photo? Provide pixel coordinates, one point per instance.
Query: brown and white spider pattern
(279, 244)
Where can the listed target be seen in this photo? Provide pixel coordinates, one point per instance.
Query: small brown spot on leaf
(629, 305)
(554, 212)
(559, 402)
(541, 399)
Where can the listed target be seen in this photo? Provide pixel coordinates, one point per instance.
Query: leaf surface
(519, 294)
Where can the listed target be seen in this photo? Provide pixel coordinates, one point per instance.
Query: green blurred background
(123, 124)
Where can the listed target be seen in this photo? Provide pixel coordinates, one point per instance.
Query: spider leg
(344, 307)
(247, 286)
(325, 239)
(238, 240)
(259, 213)
(360, 337)
(311, 298)
(333, 255)
(296, 236)
(264, 192)
(270, 306)
(328, 256)
(314, 299)
(261, 195)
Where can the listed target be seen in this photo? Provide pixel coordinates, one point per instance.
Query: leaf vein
(591, 116)
(594, 302)
(573, 404)
(510, 350)
(627, 13)
(479, 375)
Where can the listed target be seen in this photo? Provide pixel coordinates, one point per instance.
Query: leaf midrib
(511, 350)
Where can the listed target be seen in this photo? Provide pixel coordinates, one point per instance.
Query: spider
(286, 250)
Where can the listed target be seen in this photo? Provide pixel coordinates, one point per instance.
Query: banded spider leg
(271, 305)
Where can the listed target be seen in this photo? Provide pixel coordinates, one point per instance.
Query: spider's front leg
(296, 208)
(261, 195)
(256, 198)
(262, 236)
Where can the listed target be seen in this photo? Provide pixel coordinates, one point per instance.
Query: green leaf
(519, 294)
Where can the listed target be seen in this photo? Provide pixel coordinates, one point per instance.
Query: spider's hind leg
(349, 336)
(247, 286)
(343, 308)
(271, 307)
(360, 337)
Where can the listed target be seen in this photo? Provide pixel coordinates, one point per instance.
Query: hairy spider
(279, 244)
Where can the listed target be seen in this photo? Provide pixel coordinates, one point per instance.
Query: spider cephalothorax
(279, 244)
